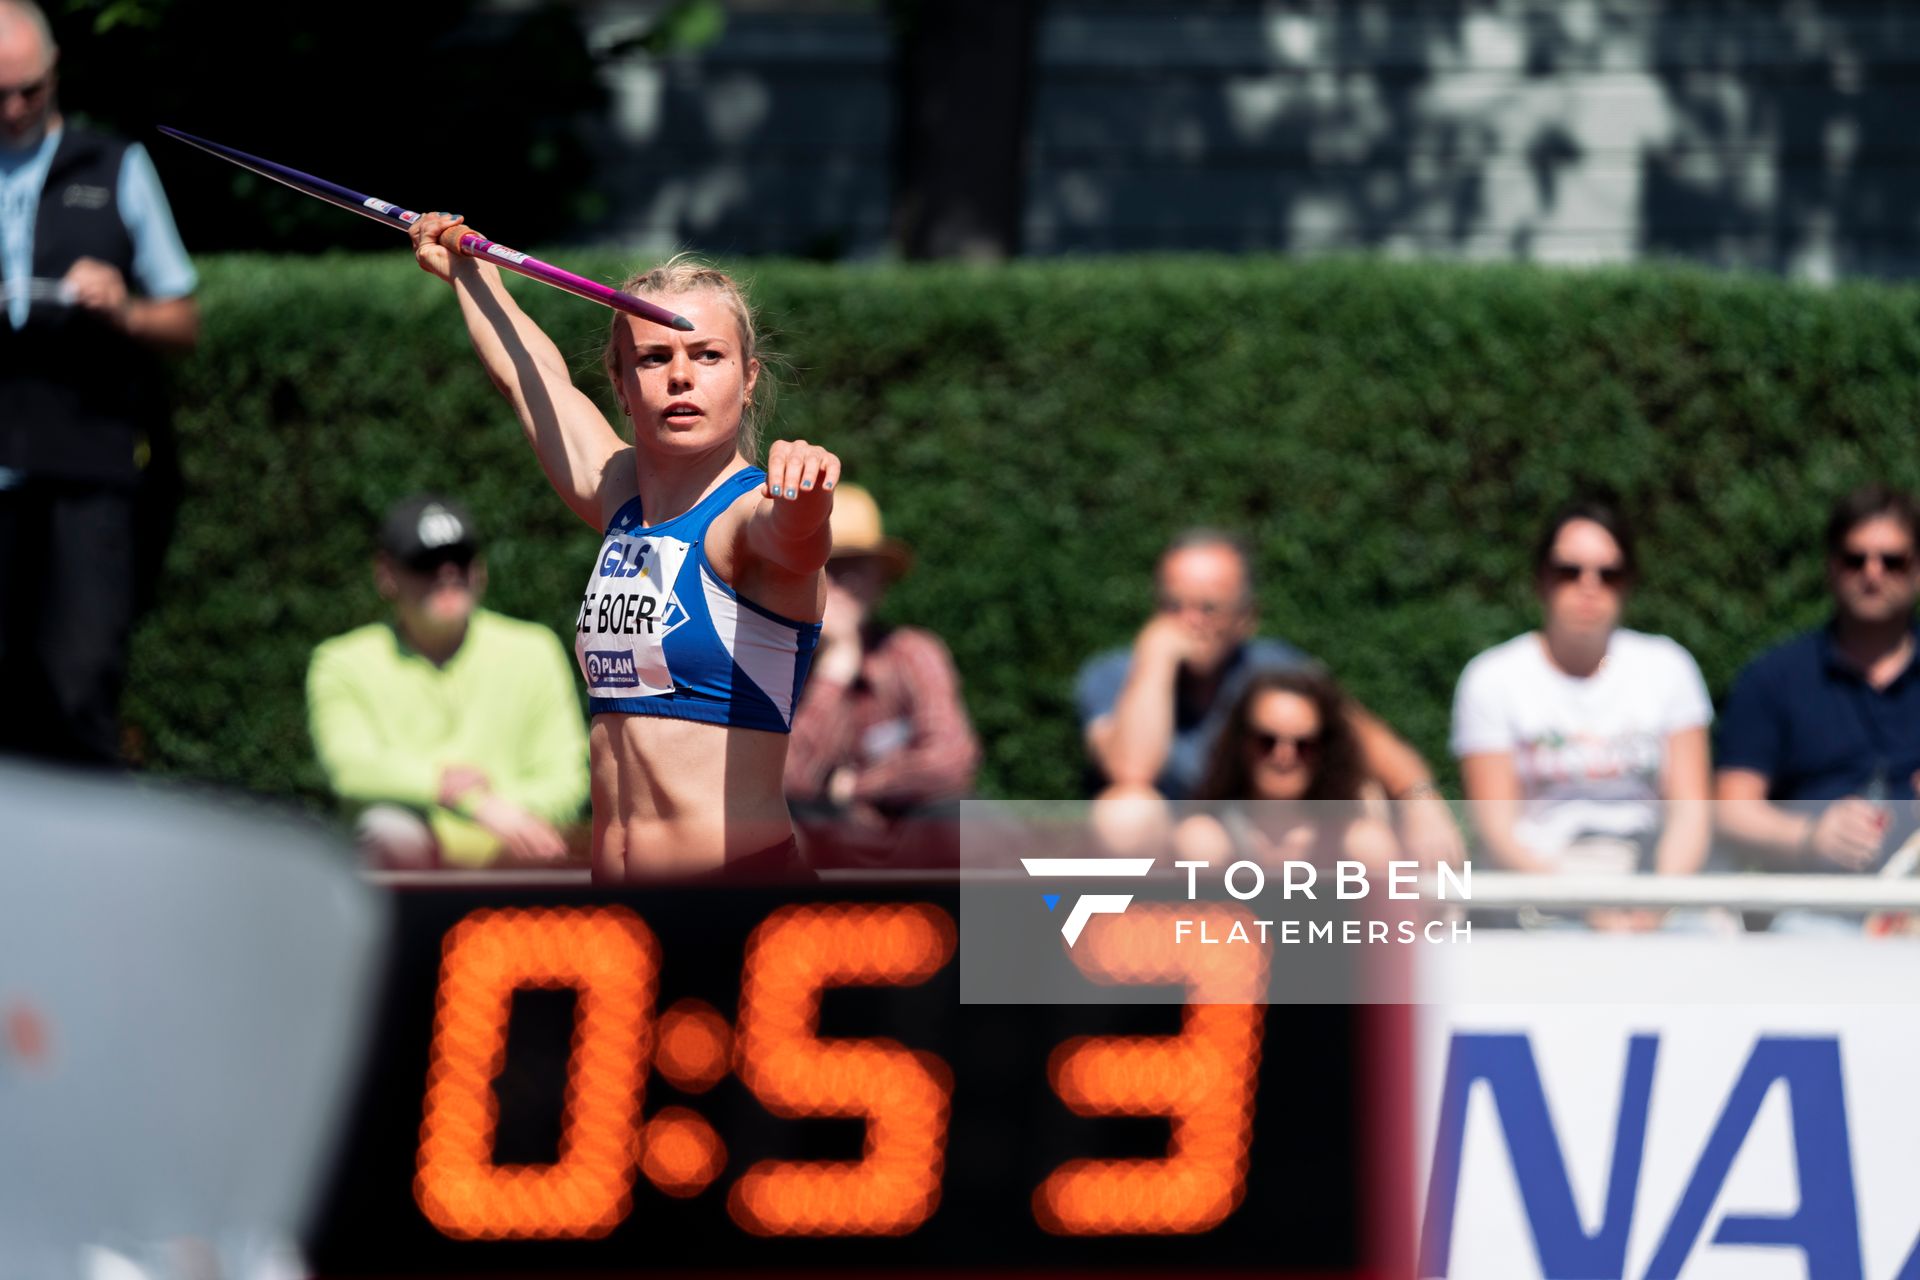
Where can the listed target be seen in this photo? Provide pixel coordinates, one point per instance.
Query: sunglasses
(847, 566)
(1562, 573)
(1891, 561)
(1205, 608)
(1266, 742)
(429, 566)
(27, 92)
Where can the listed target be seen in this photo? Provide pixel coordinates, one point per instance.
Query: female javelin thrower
(703, 607)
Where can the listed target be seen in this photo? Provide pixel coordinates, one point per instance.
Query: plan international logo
(611, 669)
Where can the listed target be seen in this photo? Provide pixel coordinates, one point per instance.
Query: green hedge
(1389, 435)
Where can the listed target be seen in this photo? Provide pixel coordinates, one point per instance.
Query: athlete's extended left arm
(789, 526)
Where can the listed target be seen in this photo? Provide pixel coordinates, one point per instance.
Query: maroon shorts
(776, 864)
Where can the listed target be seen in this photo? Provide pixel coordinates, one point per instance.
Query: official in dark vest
(97, 288)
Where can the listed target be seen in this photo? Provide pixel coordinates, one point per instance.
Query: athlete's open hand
(797, 470)
(790, 528)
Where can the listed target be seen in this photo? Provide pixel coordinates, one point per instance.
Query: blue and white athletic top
(659, 634)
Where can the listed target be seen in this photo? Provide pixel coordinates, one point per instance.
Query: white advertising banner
(1670, 1106)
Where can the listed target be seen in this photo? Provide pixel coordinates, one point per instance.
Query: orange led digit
(1203, 1079)
(609, 957)
(792, 957)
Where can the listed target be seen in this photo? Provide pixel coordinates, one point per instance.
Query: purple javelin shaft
(476, 245)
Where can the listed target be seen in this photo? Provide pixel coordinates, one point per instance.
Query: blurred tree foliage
(451, 105)
(1390, 436)
(680, 27)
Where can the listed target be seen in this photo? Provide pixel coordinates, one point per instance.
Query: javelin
(470, 243)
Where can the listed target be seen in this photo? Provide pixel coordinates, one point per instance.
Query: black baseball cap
(428, 529)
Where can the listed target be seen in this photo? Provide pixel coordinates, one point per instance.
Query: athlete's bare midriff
(681, 796)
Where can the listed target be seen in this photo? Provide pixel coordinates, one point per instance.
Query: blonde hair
(684, 273)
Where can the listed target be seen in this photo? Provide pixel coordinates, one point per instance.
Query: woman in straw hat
(882, 746)
(703, 605)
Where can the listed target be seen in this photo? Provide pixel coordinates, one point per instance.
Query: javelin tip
(682, 323)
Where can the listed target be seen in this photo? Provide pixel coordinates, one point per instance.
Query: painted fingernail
(827, 485)
(792, 494)
(806, 484)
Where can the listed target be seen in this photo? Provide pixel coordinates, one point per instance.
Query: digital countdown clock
(684, 1079)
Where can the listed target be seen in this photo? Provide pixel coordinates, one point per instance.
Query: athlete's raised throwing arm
(703, 604)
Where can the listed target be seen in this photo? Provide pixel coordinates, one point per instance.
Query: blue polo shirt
(1197, 724)
(161, 267)
(1806, 718)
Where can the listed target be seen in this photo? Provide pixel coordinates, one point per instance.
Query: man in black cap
(453, 731)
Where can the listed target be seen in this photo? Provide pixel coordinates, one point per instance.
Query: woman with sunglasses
(1572, 738)
(1289, 745)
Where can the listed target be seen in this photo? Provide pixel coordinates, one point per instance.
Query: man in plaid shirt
(882, 748)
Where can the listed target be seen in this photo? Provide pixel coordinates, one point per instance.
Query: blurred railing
(1740, 892)
(1504, 889)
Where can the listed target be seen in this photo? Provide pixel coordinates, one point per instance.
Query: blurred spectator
(1572, 736)
(1821, 735)
(96, 285)
(1289, 744)
(882, 748)
(453, 730)
(1150, 714)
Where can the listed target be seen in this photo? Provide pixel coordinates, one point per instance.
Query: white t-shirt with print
(1588, 751)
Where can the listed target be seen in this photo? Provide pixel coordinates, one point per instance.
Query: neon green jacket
(386, 721)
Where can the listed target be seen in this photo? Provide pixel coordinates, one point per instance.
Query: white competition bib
(627, 614)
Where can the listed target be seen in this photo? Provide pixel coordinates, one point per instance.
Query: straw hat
(857, 531)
